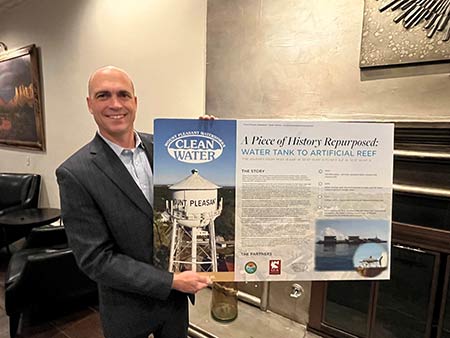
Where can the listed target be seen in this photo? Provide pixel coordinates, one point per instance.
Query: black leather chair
(43, 273)
(17, 191)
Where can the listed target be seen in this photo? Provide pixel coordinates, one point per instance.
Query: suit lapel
(108, 162)
(147, 140)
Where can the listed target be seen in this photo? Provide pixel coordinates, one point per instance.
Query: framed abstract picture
(21, 115)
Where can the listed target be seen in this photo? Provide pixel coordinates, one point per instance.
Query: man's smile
(116, 117)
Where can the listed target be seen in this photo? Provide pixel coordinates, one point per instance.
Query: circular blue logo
(250, 267)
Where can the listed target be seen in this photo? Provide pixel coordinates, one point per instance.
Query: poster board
(257, 200)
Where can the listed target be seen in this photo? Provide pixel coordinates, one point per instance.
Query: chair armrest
(22, 271)
(47, 274)
(19, 263)
(46, 266)
(51, 255)
(46, 236)
(10, 209)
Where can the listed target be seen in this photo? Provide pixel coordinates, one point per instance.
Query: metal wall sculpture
(433, 13)
(405, 32)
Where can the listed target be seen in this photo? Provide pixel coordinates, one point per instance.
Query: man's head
(112, 102)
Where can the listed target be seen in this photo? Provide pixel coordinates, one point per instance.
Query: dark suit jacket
(109, 226)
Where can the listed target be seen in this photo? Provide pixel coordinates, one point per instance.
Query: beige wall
(161, 43)
(300, 59)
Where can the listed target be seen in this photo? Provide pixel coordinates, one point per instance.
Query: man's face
(112, 103)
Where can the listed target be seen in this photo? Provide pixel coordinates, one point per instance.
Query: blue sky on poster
(342, 228)
(168, 170)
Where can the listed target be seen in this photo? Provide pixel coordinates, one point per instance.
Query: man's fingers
(189, 281)
(205, 279)
(207, 117)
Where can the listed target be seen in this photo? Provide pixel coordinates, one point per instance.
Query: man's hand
(207, 117)
(189, 282)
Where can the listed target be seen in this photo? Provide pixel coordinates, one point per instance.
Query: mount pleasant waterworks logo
(195, 147)
(250, 267)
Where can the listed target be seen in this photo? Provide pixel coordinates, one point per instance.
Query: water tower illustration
(193, 209)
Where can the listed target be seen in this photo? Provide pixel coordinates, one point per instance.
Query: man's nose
(115, 102)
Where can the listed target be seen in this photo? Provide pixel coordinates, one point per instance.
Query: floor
(83, 321)
(251, 322)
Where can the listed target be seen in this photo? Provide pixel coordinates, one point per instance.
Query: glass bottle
(224, 301)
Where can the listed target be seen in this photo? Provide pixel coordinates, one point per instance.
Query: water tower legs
(195, 242)
(194, 249)
(172, 245)
(212, 241)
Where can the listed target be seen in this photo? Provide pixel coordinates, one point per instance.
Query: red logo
(275, 267)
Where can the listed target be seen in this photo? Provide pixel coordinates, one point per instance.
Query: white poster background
(297, 182)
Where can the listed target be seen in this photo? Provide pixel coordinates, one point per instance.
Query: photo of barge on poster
(256, 200)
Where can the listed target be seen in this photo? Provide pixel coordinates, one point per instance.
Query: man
(106, 200)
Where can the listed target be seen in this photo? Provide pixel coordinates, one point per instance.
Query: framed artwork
(399, 33)
(21, 115)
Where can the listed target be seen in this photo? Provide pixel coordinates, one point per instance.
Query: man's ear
(88, 101)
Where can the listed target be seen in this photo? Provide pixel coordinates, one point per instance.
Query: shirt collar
(119, 149)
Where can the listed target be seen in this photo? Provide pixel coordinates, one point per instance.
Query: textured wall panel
(300, 59)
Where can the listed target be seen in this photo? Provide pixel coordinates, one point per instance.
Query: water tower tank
(194, 200)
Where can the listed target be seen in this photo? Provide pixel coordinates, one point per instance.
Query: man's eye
(125, 95)
(101, 96)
